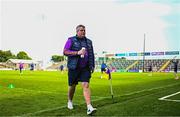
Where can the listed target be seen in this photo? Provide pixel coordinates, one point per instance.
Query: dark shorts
(103, 69)
(78, 75)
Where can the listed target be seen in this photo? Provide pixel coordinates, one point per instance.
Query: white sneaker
(91, 111)
(70, 105)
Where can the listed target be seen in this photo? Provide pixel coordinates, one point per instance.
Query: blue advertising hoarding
(120, 54)
(132, 54)
(172, 53)
(147, 53)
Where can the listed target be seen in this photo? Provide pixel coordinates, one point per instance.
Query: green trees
(23, 55)
(57, 58)
(5, 55)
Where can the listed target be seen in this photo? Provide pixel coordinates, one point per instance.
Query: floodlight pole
(104, 56)
(144, 51)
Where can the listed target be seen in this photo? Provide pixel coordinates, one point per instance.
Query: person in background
(175, 62)
(103, 69)
(32, 66)
(21, 67)
(150, 70)
(61, 69)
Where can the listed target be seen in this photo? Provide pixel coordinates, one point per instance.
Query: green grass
(44, 93)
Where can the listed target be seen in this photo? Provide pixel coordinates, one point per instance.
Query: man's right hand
(81, 52)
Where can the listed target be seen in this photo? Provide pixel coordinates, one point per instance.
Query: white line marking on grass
(171, 100)
(148, 89)
(169, 95)
(135, 92)
(164, 98)
(45, 110)
(52, 109)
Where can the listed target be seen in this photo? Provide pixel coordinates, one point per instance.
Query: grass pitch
(43, 93)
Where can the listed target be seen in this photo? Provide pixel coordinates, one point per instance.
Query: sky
(41, 27)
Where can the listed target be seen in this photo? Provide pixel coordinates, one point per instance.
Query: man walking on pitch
(80, 65)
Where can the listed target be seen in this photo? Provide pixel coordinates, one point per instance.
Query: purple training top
(68, 52)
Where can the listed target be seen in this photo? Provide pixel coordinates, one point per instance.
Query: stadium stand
(158, 65)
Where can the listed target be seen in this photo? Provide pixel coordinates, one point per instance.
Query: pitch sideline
(56, 108)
